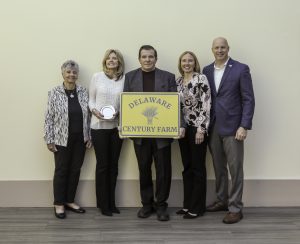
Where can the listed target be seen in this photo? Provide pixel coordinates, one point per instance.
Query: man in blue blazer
(148, 78)
(231, 116)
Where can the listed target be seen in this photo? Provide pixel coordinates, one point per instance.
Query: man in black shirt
(148, 78)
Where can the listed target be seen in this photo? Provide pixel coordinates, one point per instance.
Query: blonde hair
(120, 69)
(197, 65)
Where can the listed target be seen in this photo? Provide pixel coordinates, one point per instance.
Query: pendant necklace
(70, 93)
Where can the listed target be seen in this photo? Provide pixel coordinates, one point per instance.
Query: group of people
(216, 106)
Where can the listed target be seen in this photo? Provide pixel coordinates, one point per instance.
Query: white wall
(38, 36)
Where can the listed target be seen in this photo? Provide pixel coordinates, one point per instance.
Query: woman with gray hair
(67, 135)
(104, 102)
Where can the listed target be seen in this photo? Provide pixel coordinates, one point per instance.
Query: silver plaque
(108, 111)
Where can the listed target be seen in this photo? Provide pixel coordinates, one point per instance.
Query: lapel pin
(230, 65)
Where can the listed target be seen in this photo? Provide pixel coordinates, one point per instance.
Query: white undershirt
(218, 74)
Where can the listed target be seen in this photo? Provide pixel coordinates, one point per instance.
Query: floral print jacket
(195, 101)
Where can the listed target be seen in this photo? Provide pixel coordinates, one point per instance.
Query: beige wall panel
(37, 36)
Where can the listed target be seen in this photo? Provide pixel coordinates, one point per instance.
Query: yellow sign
(150, 114)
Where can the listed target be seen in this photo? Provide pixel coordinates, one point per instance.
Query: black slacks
(145, 154)
(68, 162)
(194, 171)
(107, 145)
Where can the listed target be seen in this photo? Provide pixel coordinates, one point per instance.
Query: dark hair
(147, 47)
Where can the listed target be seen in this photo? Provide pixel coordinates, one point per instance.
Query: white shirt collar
(224, 65)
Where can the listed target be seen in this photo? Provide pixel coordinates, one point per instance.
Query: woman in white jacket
(104, 103)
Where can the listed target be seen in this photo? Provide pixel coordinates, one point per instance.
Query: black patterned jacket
(57, 117)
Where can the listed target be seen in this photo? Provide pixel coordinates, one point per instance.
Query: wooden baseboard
(257, 193)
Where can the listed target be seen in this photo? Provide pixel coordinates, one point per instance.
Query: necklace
(70, 93)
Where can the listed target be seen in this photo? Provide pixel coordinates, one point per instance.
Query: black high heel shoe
(59, 215)
(181, 211)
(189, 215)
(75, 210)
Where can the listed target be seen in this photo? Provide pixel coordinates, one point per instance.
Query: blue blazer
(233, 104)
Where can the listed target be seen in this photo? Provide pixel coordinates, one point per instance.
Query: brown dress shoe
(231, 218)
(217, 206)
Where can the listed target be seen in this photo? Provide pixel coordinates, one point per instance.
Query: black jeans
(68, 162)
(145, 154)
(194, 172)
(107, 145)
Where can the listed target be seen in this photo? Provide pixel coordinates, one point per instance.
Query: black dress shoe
(189, 215)
(163, 216)
(115, 210)
(181, 211)
(217, 206)
(145, 212)
(59, 215)
(106, 212)
(75, 210)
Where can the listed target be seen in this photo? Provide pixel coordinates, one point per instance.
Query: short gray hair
(69, 64)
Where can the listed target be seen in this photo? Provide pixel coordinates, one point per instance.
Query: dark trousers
(107, 145)
(68, 162)
(145, 154)
(194, 171)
